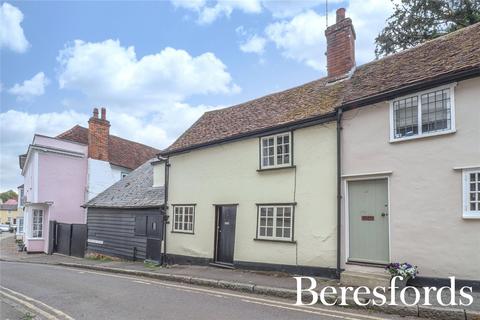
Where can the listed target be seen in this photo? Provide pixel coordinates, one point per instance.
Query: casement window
(471, 193)
(183, 218)
(20, 226)
(37, 225)
(275, 222)
(424, 114)
(276, 151)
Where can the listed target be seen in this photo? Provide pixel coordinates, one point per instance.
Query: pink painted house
(61, 173)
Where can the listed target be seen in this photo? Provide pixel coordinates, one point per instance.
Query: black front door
(154, 236)
(226, 216)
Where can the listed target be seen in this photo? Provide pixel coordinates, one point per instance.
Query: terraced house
(61, 173)
(369, 165)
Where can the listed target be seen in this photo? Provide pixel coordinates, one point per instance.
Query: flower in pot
(405, 270)
(20, 246)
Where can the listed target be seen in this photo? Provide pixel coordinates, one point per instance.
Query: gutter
(339, 191)
(386, 95)
(258, 133)
(417, 86)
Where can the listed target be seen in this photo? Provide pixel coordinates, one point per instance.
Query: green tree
(415, 21)
(10, 194)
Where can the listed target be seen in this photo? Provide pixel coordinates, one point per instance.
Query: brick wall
(340, 46)
(98, 136)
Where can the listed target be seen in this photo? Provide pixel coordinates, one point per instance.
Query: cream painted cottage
(369, 165)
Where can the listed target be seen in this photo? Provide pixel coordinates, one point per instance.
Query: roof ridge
(420, 45)
(111, 135)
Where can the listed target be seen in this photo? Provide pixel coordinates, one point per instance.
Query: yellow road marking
(17, 295)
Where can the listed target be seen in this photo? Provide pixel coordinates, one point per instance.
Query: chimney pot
(104, 114)
(340, 14)
(95, 112)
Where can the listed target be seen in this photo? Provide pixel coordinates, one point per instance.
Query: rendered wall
(227, 174)
(101, 175)
(426, 224)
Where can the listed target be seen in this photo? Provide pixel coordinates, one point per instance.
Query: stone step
(367, 279)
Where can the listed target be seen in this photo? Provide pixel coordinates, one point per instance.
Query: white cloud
(368, 19)
(30, 88)
(113, 75)
(189, 4)
(157, 129)
(11, 32)
(255, 44)
(290, 8)
(302, 38)
(208, 12)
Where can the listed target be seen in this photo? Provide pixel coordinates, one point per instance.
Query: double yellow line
(35, 306)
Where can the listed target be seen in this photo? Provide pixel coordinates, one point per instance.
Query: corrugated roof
(133, 191)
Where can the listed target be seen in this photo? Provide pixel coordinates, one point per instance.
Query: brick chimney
(98, 133)
(340, 47)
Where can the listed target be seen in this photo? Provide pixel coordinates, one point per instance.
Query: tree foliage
(415, 21)
(10, 194)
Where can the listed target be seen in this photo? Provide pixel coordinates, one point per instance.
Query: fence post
(52, 236)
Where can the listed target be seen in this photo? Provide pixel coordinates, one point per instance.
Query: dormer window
(423, 114)
(276, 151)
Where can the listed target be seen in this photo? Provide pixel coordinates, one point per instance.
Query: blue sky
(156, 65)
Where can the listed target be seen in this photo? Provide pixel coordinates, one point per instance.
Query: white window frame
(275, 163)
(420, 134)
(467, 213)
(180, 226)
(20, 225)
(274, 226)
(35, 224)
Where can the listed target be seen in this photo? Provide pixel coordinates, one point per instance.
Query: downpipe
(166, 160)
(339, 191)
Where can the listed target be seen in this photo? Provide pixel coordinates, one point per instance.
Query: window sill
(276, 168)
(428, 135)
(275, 240)
(471, 216)
(182, 232)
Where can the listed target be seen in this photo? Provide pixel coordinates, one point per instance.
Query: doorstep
(371, 276)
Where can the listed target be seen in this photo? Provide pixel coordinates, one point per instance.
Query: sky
(156, 66)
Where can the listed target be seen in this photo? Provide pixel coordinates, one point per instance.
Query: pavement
(266, 283)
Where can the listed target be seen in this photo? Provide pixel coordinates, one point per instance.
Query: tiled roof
(133, 191)
(452, 54)
(8, 207)
(122, 152)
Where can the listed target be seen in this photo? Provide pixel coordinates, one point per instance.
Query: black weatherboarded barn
(126, 220)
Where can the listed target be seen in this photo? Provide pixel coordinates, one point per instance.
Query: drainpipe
(339, 191)
(165, 207)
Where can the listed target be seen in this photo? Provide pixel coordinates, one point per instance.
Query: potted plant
(405, 270)
(20, 245)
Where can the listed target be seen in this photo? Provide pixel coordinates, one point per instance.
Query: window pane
(279, 233)
(405, 117)
(286, 232)
(436, 113)
(269, 232)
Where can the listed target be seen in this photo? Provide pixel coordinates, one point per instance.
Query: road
(56, 292)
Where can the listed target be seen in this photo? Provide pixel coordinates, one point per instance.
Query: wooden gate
(70, 239)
